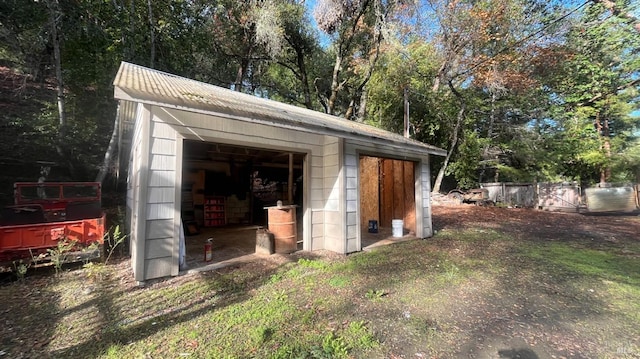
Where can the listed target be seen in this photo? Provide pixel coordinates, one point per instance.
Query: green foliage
(357, 335)
(58, 255)
(530, 105)
(339, 281)
(628, 163)
(410, 68)
(602, 264)
(375, 294)
(594, 89)
(20, 268)
(465, 168)
(332, 347)
(315, 264)
(112, 239)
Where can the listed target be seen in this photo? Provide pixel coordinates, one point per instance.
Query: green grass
(604, 264)
(416, 298)
(614, 273)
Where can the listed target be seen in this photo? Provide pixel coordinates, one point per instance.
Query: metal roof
(140, 84)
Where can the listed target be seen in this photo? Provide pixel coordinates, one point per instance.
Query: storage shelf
(214, 211)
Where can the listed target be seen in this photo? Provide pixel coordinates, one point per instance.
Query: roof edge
(359, 132)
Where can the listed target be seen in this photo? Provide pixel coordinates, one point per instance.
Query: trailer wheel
(457, 197)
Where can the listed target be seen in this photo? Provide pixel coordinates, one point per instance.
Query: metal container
(615, 199)
(373, 226)
(264, 241)
(282, 223)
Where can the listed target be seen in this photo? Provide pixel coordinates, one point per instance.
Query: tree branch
(600, 95)
(611, 6)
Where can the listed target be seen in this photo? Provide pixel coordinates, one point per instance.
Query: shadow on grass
(517, 354)
(122, 327)
(471, 291)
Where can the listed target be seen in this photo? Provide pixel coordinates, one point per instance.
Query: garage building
(198, 153)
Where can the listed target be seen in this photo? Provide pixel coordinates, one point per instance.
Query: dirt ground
(597, 229)
(536, 311)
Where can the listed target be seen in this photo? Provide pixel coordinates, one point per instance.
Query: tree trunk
(361, 90)
(405, 96)
(304, 80)
(492, 120)
(352, 105)
(454, 140)
(152, 36)
(606, 134)
(120, 10)
(108, 155)
(54, 15)
(492, 116)
(242, 69)
(440, 74)
(132, 29)
(602, 126)
(335, 82)
(362, 110)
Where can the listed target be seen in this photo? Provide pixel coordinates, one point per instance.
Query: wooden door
(397, 193)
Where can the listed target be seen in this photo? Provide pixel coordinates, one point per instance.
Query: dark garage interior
(225, 189)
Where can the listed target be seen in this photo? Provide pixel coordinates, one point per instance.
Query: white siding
(423, 195)
(162, 208)
(352, 197)
(137, 187)
(334, 229)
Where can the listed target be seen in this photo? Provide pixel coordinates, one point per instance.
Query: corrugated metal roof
(141, 84)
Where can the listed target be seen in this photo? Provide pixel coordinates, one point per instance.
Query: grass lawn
(492, 283)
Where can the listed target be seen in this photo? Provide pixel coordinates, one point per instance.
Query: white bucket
(397, 226)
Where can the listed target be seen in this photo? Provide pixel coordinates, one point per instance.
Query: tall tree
(55, 18)
(288, 76)
(599, 87)
(249, 33)
(356, 29)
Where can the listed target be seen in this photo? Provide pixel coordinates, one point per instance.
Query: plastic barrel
(397, 227)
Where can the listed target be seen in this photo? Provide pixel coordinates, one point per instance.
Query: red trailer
(44, 214)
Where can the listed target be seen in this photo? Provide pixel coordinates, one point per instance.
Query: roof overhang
(138, 84)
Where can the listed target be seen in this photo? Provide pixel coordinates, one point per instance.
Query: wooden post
(251, 200)
(290, 181)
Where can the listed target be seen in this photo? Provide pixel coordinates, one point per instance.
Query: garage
(225, 192)
(204, 162)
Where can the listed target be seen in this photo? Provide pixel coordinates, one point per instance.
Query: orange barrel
(282, 224)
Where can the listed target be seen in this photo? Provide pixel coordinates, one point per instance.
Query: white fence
(566, 197)
(512, 194)
(563, 197)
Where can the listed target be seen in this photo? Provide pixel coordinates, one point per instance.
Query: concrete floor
(383, 238)
(236, 244)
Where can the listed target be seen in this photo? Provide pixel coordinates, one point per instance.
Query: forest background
(514, 90)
